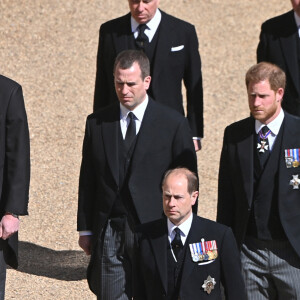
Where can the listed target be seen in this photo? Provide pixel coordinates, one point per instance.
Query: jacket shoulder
(107, 113)
(238, 126)
(171, 20)
(212, 225)
(7, 83)
(165, 112)
(115, 23)
(279, 23)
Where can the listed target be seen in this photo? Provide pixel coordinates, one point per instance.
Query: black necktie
(142, 39)
(177, 243)
(263, 145)
(131, 131)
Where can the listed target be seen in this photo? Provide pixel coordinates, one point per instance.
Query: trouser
(2, 270)
(118, 263)
(271, 270)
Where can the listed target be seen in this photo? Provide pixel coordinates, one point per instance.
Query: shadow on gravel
(68, 265)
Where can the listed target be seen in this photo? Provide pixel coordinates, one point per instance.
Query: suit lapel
(110, 133)
(197, 231)
(148, 127)
(290, 140)
(163, 46)
(245, 155)
(288, 42)
(159, 244)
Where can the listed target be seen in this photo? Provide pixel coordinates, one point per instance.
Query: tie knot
(177, 230)
(142, 27)
(265, 130)
(131, 116)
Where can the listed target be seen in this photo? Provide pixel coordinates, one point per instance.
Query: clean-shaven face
(143, 10)
(177, 202)
(131, 89)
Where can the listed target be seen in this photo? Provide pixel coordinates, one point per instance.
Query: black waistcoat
(264, 222)
(175, 272)
(124, 205)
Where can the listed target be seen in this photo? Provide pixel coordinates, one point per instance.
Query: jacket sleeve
(225, 208)
(86, 194)
(16, 175)
(231, 276)
(262, 48)
(103, 76)
(193, 83)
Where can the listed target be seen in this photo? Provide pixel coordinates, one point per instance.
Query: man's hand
(197, 144)
(8, 226)
(85, 242)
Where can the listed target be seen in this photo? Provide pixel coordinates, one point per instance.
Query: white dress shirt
(138, 112)
(274, 126)
(184, 231)
(297, 19)
(152, 26)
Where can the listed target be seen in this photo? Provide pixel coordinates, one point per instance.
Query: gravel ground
(50, 48)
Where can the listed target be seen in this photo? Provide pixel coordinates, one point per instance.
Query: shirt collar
(139, 111)
(152, 24)
(184, 227)
(274, 126)
(297, 19)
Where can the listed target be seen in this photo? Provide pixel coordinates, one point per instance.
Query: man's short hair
(266, 71)
(126, 58)
(192, 179)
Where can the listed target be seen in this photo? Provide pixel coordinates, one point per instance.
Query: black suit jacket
(278, 45)
(164, 141)
(169, 67)
(14, 159)
(236, 179)
(153, 239)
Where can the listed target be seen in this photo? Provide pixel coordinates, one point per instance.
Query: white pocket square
(206, 262)
(178, 48)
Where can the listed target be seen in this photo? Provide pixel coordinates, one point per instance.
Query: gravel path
(50, 47)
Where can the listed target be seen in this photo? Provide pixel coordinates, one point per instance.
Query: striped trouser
(117, 263)
(271, 270)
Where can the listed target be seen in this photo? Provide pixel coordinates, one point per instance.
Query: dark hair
(192, 179)
(126, 58)
(266, 71)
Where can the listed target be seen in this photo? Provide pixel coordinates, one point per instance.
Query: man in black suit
(259, 195)
(280, 44)
(14, 172)
(172, 48)
(184, 256)
(127, 148)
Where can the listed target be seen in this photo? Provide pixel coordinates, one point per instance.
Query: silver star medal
(295, 182)
(209, 284)
(262, 147)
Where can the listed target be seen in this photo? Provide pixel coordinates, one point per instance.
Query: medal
(262, 146)
(292, 157)
(209, 284)
(196, 252)
(204, 251)
(295, 182)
